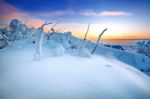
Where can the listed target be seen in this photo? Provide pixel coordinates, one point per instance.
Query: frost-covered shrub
(61, 38)
(80, 53)
(58, 43)
(67, 36)
(18, 30)
(84, 53)
(78, 48)
(31, 35)
(66, 40)
(70, 44)
(56, 49)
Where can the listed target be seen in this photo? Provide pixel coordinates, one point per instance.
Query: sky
(125, 19)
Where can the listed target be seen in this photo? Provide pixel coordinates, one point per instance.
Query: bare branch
(98, 40)
(52, 28)
(44, 25)
(87, 31)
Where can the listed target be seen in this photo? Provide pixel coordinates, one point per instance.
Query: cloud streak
(114, 13)
(60, 13)
(57, 13)
(105, 13)
(33, 19)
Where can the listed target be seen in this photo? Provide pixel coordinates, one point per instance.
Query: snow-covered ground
(39, 65)
(67, 76)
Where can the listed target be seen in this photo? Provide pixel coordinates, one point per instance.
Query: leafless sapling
(82, 44)
(98, 41)
(87, 31)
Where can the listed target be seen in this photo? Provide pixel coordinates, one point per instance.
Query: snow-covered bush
(55, 49)
(58, 43)
(31, 35)
(18, 30)
(70, 44)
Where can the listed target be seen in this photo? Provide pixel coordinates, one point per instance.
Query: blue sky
(130, 16)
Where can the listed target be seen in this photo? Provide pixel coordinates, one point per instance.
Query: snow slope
(67, 77)
(133, 59)
(56, 44)
(139, 61)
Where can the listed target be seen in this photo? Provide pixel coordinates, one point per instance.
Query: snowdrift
(67, 76)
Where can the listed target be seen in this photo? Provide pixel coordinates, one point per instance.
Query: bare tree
(40, 35)
(87, 31)
(98, 40)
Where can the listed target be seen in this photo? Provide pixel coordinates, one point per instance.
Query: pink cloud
(104, 13)
(114, 13)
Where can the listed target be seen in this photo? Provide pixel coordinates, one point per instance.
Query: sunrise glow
(127, 22)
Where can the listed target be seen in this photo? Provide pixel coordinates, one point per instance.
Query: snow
(66, 69)
(67, 76)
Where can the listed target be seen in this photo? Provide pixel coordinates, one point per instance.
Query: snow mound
(68, 77)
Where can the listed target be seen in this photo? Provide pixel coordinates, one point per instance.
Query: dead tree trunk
(98, 41)
(87, 31)
(82, 44)
(40, 36)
